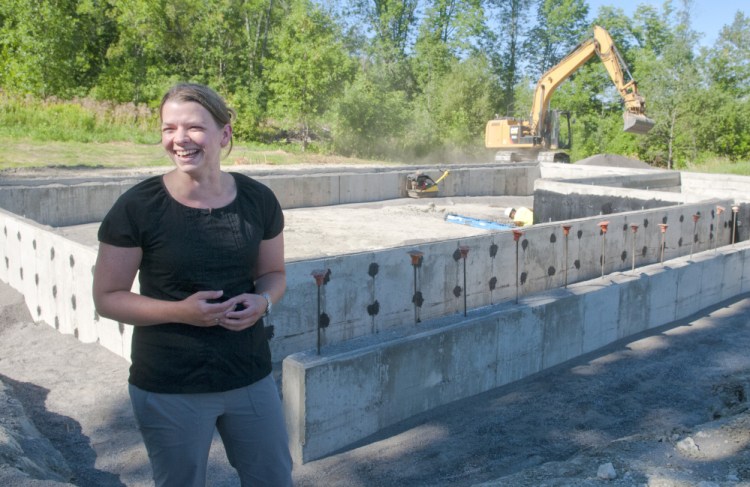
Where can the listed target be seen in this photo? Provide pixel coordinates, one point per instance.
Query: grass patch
(79, 120)
(83, 132)
(721, 166)
(29, 153)
(38, 133)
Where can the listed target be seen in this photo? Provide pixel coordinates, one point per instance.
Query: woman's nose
(181, 135)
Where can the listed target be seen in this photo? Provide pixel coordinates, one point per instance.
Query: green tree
(308, 68)
(370, 119)
(219, 42)
(561, 26)
(670, 81)
(392, 23)
(723, 127)
(444, 38)
(50, 47)
(507, 50)
(651, 28)
(444, 35)
(728, 61)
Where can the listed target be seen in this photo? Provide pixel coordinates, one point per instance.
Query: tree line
(406, 80)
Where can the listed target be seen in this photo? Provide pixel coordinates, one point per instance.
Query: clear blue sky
(706, 17)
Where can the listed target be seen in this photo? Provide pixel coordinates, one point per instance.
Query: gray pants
(178, 429)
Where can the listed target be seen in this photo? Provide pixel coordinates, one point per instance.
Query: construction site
(399, 308)
(522, 322)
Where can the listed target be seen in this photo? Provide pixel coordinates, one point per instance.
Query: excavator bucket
(637, 124)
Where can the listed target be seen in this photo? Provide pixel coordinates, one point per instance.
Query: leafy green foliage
(396, 79)
(368, 119)
(78, 120)
(304, 81)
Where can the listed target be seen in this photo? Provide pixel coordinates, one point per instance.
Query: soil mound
(613, 160)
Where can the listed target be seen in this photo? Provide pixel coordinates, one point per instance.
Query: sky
(707, 16)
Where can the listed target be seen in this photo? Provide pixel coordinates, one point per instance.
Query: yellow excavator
(539, 138)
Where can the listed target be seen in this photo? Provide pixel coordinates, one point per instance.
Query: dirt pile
(613, 160)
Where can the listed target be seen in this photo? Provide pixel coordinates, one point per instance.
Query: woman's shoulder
(151, 183)
(248, 186)
(145, 192)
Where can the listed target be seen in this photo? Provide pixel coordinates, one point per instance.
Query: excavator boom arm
(602, 45)
(550, 80)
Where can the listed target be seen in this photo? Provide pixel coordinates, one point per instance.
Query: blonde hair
(205, 97)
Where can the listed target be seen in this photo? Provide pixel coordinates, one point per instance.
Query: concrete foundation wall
(556, 200)
(563, 200)
(62, 205)
(54, 275)
(706, 185)
(374, 299)
(373, 292)
(654, 181)
(553, 170)
(352, 391)
(75, 202)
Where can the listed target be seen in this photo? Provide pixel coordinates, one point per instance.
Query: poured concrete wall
(551, 170)
(62, 204)
(372, 292)
(354, 390)
(560, 200)
(369, 296)
(707, 185)
(653, 180)
(563, 200)
(55, 274)
(77, 201)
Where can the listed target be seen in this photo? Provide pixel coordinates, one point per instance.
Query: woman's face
(191, 137)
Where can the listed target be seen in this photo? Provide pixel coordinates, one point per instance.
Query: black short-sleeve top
(186, 250)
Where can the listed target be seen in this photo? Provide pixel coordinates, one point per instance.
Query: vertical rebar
(634, 228)
(566, 232)
(735, 211)
(603, 227)
(416, 317)
(516, 236)
(319, 327)
(696, 217)
(719, 211)
(464, 252)
(319, 276)
(416, 261)
(663, 227)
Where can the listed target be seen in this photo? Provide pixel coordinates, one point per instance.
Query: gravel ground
(664, 409)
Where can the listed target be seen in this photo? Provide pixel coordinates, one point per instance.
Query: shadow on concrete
(630, 403)
(64, 433)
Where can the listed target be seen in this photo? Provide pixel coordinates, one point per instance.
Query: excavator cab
(559, 130)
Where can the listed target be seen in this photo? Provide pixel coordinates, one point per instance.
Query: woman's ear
(226, 135)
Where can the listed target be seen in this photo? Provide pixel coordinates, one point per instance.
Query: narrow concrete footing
(361, 387)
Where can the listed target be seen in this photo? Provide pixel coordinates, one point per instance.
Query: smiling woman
(208, 248)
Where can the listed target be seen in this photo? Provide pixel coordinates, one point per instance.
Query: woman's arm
(271, 272)
(270, 278)
(114, 274)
